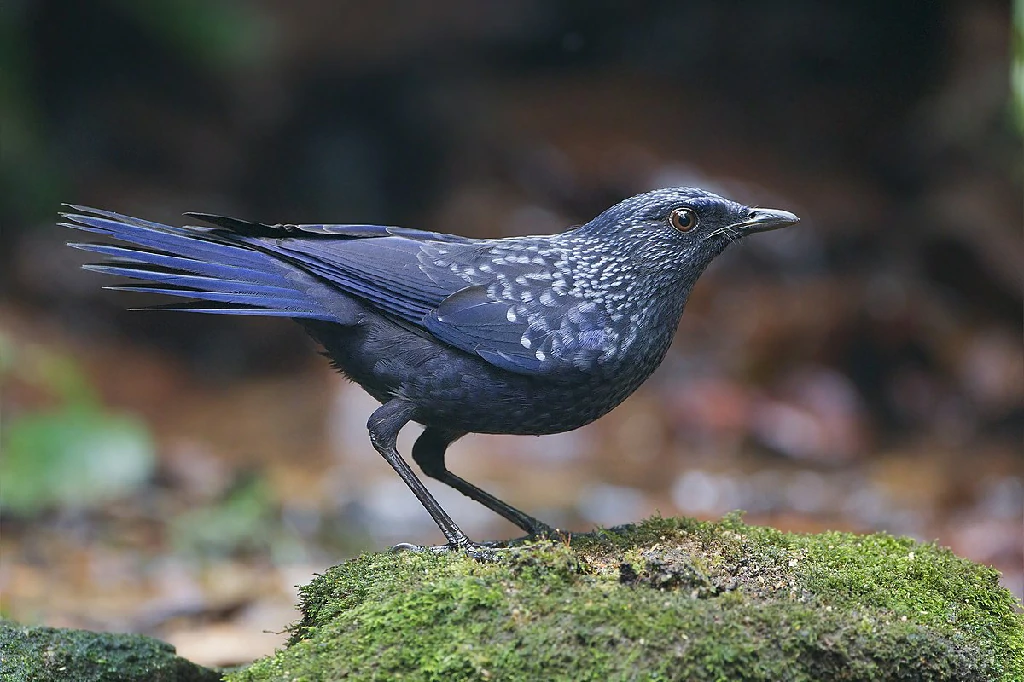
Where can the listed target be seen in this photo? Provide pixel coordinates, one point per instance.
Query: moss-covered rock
(38, 654)
(668, 599)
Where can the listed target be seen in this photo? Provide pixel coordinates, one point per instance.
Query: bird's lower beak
(764, 219)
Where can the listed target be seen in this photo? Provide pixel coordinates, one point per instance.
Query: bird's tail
(222, 269)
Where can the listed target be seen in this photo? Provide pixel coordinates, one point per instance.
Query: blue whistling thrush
(525, 335)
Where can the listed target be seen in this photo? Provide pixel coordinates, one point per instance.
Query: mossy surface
(40, 654)
(668, 599)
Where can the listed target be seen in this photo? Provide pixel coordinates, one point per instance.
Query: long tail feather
(206, 264)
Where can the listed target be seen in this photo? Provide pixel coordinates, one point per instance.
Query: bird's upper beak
(764, 219)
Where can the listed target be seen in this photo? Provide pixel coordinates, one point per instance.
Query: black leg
(428, 453)
(384, 425)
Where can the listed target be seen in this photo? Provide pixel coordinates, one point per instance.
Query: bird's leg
(428, 453)
(384, 425)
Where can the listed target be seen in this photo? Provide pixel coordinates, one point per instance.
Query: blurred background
(178, 475)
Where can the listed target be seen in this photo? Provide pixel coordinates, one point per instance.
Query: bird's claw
(543, 531)
(480, 552)
(407, 547)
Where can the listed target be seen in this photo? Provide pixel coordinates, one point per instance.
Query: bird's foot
(478, 551)
(543, 531)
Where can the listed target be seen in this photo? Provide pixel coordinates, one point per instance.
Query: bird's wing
(401, 276)
(546, 334)
(402, 272)
(511, 307)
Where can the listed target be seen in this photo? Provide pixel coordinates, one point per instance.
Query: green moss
(663, 600)
(59, 655)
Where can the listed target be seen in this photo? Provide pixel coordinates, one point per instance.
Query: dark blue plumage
(526, 335)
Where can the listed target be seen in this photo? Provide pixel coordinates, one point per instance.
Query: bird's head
(681, 226)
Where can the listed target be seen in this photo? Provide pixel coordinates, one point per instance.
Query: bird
(526, 335)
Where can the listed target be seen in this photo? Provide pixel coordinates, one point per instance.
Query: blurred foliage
(217, 37)
(74, 452)
(29, 177)
(244, 521)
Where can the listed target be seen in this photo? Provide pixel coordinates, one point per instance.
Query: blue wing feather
(472, 320)
(389, 272)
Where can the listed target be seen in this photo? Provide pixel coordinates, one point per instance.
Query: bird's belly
(460, 392)
(513, 404)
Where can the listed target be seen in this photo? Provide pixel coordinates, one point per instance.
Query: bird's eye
(683, 219)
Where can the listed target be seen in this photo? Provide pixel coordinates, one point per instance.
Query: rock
(38, 654)
(667, 599)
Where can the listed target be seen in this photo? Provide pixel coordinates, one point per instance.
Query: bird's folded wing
(472, 320)
(397, 275)
(548, 335)
(439, 289)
